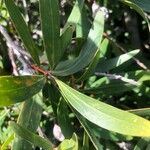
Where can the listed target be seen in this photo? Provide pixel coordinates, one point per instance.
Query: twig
(138, 62)
(11, 56)
(118, 77)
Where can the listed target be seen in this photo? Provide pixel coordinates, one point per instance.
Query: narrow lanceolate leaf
(138, 10)
(106, 65)
(104, 115)
(22, 29)
(64, 120)
(89, 130)
(88, 51)
(31, 137)
(49, 10)
(144, 4)
(17, 89)
(91, 67)
(30, 121)
(75, 15)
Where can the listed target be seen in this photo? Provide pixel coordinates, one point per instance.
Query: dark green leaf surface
(88, 51)
(91, 67)
(64, 120)
(31, 137)
(104, 115)
(89, 131)
(30, 121)
(65, 39)
(49, 11)
(144, 4)
(22, 29)
(138, 9)
(17, 89)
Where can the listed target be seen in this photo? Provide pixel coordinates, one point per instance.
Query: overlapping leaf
(88, 51)
(49, 11)
(106, 65)
(104, 115)
(30, 121)
(17, 89)
(22, 29)
(31, 137)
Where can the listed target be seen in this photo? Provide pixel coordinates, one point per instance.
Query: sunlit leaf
(17, 89)
(69, 144)
(104, 115)
(88, 51)
(7, 142)
(106, 65)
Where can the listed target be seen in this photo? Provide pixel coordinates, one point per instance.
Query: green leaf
(115, 87)
(31, 137)
(49, 11)
(91, 67)
(144, 4)
(30, 121)
(75, 15)
(7, 142)
(83, 26)
(142, 144)
(103, 47)
(141, 112)
(17, 89)
(88, 51)
(22, 29)
(66, 38)
(138, 9)
(71, 144)
(89, 131)
(64, 120)
(104, 115)
(106, 65)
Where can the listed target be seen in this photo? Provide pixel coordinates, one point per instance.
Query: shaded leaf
(65, 39)
(89, 131)
(49, 11)
(22, 29)
(64, 120)
(91, 67)
(142, 144)
(138, 9)
(31, 137)
(141, 112)
(144, 4)
(17, 89)
(30, 121)
(104, 115)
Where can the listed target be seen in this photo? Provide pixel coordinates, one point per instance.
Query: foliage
(77, 76)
